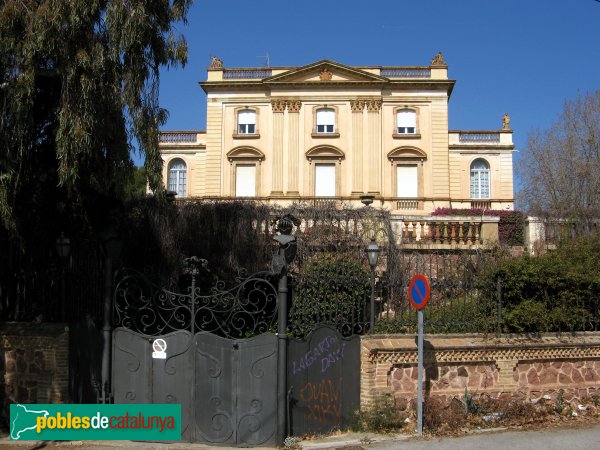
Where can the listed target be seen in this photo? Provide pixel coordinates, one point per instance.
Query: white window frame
(177, 177)
(402, 188)
(325, 121)
(328, 188)
(242, 190)
(480, 180)
(246, 119)
(406, 121)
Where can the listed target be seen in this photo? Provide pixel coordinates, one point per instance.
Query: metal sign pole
(420, 375)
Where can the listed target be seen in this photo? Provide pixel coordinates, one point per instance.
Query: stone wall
(34, 363)
(507, 367)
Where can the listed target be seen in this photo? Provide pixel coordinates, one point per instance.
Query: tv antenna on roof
(267, 60)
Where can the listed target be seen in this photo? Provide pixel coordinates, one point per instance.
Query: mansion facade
(327, 132)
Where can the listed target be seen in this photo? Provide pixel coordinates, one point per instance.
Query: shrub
(559, 291)
(332, 289)
(381, 416)
(440, 416)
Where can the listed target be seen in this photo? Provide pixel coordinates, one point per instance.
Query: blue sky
(524, 57)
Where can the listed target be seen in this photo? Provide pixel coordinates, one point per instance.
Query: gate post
(285, 255)
(112, 250)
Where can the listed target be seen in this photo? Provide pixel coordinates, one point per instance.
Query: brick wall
(509, 367)
(34, 363)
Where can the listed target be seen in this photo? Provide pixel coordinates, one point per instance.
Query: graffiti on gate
(322, 400)
(323, 380)
(328, 351)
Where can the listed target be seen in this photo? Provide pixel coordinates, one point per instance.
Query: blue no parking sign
(419, 291)
(418, 294)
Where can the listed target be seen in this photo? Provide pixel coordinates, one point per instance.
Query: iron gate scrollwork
(221, 359)
(248, 308)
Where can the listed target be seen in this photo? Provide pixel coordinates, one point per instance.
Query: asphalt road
(548, 439)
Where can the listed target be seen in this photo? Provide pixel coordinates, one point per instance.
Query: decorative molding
(505, 122)
(373, 105)
(215, 63)
(325, 75)
(438, 60)
(325, 152)
(486, 355)
(294, 106)
(245, 152)
(357, 105)
(406, 153)
(278, 105)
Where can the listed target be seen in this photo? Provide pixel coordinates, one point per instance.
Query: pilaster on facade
(293, 107)
(374, 145)
(357, 107)
(213, 168)
(278, 107)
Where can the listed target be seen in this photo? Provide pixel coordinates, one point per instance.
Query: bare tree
(560, 169)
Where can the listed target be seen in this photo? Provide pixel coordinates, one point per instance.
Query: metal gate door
(235, 389)
(226, 387)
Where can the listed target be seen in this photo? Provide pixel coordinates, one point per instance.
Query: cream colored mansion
(328, 132)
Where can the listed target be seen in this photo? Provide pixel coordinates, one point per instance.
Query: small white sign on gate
(159, 346)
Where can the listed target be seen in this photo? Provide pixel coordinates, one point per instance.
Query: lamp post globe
(372, 252)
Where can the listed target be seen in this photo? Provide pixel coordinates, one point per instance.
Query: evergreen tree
(78, 84)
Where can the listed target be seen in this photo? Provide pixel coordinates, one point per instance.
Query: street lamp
(63, 246)
(63, 249)
(372, 252)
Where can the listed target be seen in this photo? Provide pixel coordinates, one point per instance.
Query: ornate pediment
(406, 153)
(325, 72)
(245, 152)
(325, 152)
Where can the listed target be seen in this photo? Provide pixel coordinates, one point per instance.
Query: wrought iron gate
(224, 380)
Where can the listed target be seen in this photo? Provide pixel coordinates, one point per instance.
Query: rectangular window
(245, 180)
(406, 121)
(325, 180)
(407, 181)
(325, 121)
(480, 185)
(247, 122)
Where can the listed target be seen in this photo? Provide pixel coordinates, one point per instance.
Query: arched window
(177, 177)
(247, 121)
(406, 121)
(480, 179)
(325, 120)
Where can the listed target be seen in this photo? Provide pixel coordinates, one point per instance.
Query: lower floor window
(324, 180)
(245, 180)
(177, 177)
(407, 181)
(480, 179)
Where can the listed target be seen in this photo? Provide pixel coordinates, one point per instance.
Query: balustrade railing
(483, 136)
(178, 138)
(481, 204)
(408, 204)
(242, 74)
(448, 232)
(413, 72)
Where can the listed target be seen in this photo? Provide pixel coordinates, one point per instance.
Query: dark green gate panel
(215, 399)
(257, 390)
(226, 387)
(324, 379)
(131, 367)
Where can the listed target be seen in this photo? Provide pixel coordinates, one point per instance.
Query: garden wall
(33, 363)
(525, 368)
